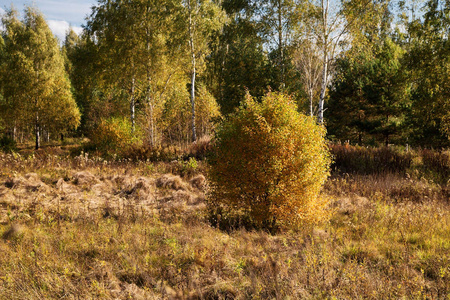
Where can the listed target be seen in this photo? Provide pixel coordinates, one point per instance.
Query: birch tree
(202, 18)
(331, 30)
(327, 27)
(132, 41)
(35, 84)
(309, 64)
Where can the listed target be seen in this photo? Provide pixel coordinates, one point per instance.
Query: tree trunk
(194, 134)
(132, 105)
(191, 43)
(387, 132)
(14, 132)
(323, 89)
(325, 60)
(280, 43)
(152, 123)
(150, 100)
(151, 108)
(37, 132)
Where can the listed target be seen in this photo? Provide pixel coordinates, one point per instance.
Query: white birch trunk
(132, 105)
(323, 89)
(193, 71)
(37, 132)
(325, 33)
(280, 43)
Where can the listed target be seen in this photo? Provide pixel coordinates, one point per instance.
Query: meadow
(84, 227)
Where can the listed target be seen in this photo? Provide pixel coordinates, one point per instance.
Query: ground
(87, 228)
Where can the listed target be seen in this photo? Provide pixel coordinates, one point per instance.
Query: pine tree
(238, 62)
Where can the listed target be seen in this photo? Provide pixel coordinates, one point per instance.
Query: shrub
(7, 144)
(270, 162)
(189, 167)
(114, 136)
(200, 149)
(436, 165)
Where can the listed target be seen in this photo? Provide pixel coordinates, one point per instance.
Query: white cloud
(77, 29)
(2, 12)
(60, 28)
(72, 11)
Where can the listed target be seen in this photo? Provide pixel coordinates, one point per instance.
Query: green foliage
(82, 65)
(189, 167)
(35, 85)
(237, 62)
(132, 40)
(176, 115)
(113, 136)
(7, 144)
(370, 95)
(270, 162)
(428, 65)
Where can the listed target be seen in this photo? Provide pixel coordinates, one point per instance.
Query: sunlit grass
(382, 242)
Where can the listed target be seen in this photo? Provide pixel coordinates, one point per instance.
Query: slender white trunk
(152, 123)
(323, 89)
(150, 99)
(132, 105)
(280, 43)
(37, 132)
(14, 132)
(325, 33)
(194, 134)
(193, 71)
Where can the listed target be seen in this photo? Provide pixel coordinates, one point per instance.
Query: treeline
(153, 72)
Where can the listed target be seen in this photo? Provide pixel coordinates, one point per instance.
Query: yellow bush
(270, 162)
(114, 136)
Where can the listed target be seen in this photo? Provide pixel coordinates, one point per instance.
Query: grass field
(87, 228)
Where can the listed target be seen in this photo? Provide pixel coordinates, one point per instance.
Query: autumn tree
(428, 66)
(176, 118)
(133, 47)
(35, 84)
(322, 31)
(309, 65)
(202, 18)
(270, 163)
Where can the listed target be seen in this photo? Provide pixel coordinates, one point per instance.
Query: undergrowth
(388, 238)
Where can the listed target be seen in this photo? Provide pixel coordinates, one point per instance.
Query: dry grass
(87, 228)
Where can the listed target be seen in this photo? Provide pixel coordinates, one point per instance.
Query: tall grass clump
(269, 163)
(436, 165)
(367, 161)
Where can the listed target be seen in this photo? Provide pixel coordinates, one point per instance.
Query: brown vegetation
(94, 229)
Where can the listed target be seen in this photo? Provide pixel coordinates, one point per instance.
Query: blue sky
(59, 13)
